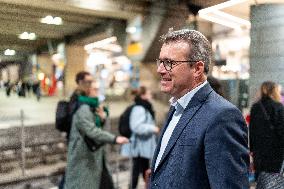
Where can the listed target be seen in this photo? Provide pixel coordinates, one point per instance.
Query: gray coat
(84, 168)
(143, 139)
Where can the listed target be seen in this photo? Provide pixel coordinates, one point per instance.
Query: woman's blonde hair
(270, 89)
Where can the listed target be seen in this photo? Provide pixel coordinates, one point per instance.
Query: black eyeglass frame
(173, 63)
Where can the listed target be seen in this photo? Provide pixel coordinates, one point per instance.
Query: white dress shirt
(179, 104)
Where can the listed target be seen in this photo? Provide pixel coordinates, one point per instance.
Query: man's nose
(160, 68)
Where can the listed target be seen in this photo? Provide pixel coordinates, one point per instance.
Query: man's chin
(165, 89)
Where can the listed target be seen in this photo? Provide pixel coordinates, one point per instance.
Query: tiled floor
(43, 112)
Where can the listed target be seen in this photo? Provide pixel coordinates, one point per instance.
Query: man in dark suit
(203, 144)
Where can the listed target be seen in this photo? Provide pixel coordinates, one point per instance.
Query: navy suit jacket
(208, 148)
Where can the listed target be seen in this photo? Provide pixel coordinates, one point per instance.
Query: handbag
(270, 180)
(91, 144)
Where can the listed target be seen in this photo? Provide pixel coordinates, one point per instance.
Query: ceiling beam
(99, 8)
(34, 20)
(21, 11)
(41, 30)
(18, 48)
(9, 59)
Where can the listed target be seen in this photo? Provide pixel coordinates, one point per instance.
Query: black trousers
(106, 178)
(140, 165)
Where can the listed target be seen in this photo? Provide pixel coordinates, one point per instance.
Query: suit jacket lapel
(169, 117)
(189, 112)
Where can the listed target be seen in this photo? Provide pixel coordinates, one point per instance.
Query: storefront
(231, 63)
(109, 66)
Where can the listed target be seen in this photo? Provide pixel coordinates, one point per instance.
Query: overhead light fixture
(9, 52)
(214, 14)
(131, 30)
(28, 36)
(100, 44)
(233, 18)
(220, 21)
(40, 76)
(51, 20)
(221, 6)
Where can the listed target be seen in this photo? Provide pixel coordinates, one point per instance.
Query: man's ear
(199, 68)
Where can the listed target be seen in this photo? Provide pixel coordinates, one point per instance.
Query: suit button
(155, 184)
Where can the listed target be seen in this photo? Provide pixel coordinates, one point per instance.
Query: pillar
(267, 46)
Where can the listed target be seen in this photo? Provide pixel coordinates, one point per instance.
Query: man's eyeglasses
(170, 64)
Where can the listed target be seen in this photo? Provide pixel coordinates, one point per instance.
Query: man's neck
(187, 91)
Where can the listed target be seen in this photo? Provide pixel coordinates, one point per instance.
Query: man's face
(180, 79)
(86, 83)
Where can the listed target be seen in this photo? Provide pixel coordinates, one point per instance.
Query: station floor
(43, 111)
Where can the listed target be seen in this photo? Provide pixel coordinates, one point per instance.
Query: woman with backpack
(267, 130)
(86, 161)
(143, 135)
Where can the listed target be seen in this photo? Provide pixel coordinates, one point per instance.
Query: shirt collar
(185, 99)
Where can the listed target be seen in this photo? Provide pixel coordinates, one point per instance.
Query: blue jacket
(208, 147)
(143, 140)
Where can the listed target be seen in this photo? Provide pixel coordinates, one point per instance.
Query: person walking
(143, 137)
(87, 167)
(266, 130)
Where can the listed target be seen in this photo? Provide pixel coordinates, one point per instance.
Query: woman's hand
(121, 140)
(101, 113)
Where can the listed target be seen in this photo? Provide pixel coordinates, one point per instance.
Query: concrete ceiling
(18, 16)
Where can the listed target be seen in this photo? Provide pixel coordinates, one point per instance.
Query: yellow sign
(134, 48)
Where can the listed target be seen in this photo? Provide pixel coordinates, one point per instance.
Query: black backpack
(123, 124)
(64, 114)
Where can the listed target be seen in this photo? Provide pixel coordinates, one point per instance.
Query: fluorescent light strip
(100, 44)
(26, 35)
(220, 21)
(9, 52)
(51, 20)
(226, 19)
(233, 18)
(221, 6)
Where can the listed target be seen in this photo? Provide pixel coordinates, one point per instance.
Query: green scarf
(93, 102)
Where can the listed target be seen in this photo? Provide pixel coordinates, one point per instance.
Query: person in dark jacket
(267, 129)
(216, 85)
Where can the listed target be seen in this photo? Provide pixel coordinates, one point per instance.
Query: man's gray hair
(199, 44)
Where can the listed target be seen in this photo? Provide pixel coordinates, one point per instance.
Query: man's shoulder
(219, 102)
(217, 106)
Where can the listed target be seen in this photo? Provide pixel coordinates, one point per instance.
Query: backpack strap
(266, 116)
(74, 106)
(282, 169)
